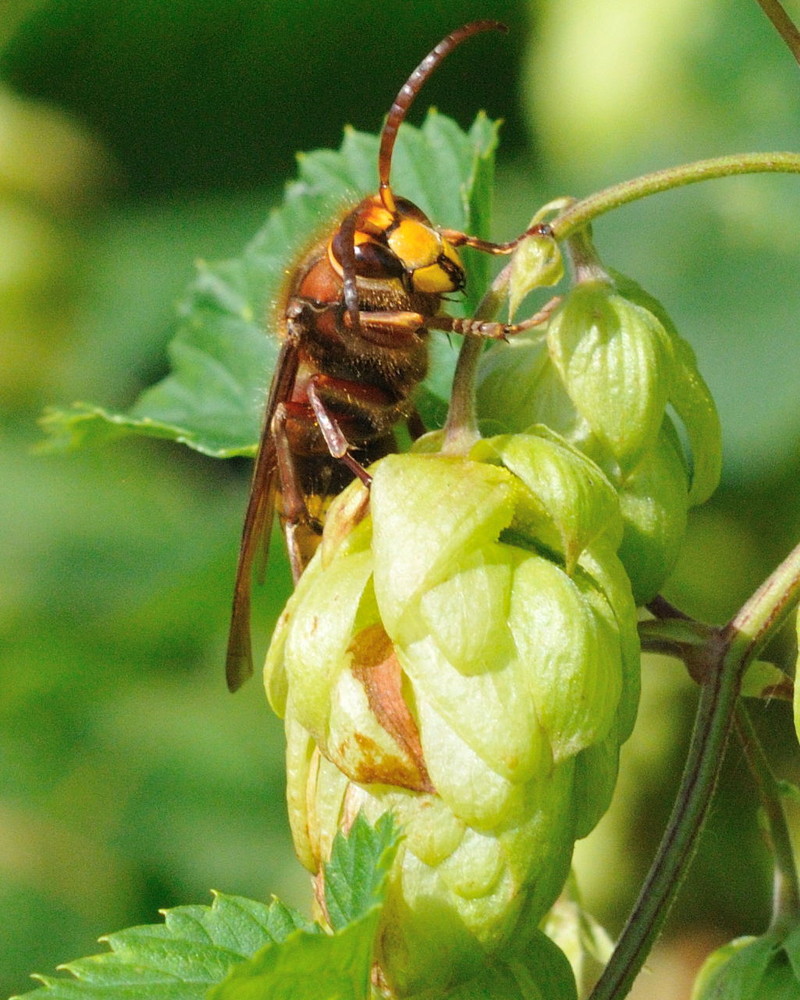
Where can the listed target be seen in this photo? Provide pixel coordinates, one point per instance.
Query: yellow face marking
(416, 244)
(419, 249)
(432, 278)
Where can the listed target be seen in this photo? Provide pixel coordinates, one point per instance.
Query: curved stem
(676, 850)
(786, 894)
(582, 212)
(763, 613)
(724, 658)
(783, 25)
(660, 607)
(461, 426)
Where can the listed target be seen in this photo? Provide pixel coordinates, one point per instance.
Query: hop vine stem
(461, 427)
(580, 213)
(725, 657)
(783, 25)
(786, 894)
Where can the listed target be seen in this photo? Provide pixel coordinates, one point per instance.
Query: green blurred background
(138, 137)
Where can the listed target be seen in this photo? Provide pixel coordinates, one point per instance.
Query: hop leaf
(193, 949)
(537, 263)
(239, 948)
(355, 877)
(226, 343)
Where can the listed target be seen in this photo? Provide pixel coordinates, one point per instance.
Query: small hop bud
(763, 966)
(536, 263)
(465, 656)
(615, 362)
(581, 938)
(654, 501)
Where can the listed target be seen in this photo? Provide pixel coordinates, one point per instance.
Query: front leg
(490, 329)
(384, 328)
(459, 239)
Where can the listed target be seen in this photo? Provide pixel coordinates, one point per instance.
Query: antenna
(409, 91)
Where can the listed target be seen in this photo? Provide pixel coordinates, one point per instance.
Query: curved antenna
(409, 91)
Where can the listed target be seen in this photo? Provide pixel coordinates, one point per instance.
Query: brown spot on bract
(376, 666)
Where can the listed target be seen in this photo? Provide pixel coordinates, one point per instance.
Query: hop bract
(602, 374)
(466, 656)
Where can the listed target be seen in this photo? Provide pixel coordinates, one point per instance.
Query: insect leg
(391, 328)
(337, 443)
(459, 239)
(293, 510)
(386, 327)
(490, 329)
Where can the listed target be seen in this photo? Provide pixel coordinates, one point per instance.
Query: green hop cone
(602, 374)
(464, 655)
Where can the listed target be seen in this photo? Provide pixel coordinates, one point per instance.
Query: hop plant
(603, 374)
(464, 655)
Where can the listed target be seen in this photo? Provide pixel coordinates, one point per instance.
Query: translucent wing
(254, 546)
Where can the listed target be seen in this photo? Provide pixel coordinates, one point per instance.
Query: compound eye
(408, 210)
(373, 260)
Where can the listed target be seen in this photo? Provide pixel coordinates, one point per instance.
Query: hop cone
(464, 655)
(603, 375)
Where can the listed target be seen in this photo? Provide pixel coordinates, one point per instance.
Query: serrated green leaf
(355, 876)
(179, 959)
(225, 347)
(270, 945)
(308, 967)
